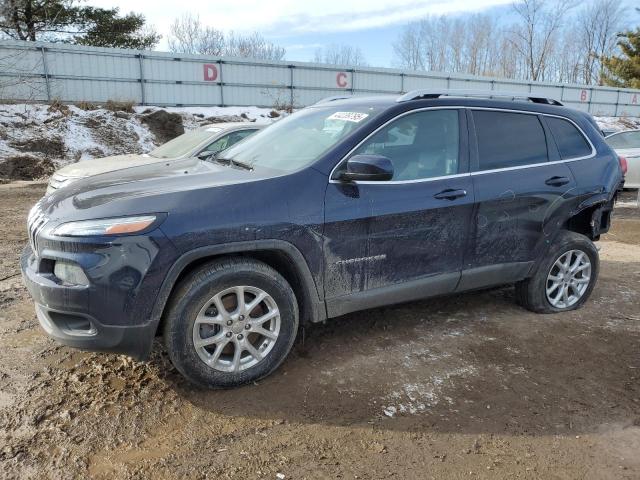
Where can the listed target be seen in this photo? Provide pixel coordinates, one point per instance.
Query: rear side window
(509, 139)
(571, 143)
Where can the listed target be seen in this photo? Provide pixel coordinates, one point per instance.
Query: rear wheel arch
(591, 221)
(282, 256)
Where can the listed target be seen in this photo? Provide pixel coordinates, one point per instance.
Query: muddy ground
(470, 386)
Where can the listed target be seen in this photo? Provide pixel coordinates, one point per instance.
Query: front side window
(508, 139)
(624, 140)
(420, 145)
(571, 143)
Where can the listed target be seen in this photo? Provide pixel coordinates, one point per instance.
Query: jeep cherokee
(346, 205)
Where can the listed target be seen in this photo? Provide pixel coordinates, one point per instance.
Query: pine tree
(68, 21)
(624, 70)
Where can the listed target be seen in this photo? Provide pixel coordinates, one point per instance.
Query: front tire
(564, 279)
(231, 322)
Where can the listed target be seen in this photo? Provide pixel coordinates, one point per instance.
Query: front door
(401, 239)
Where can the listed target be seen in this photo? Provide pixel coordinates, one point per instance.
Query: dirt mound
(111, 135)
(52, 147)
(26, 167)
(164, 125)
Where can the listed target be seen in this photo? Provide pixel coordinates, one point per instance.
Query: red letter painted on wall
(583, 96)
(634, 99)
(341, 79)
(210, 72)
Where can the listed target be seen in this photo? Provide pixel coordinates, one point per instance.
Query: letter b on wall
(210, 72)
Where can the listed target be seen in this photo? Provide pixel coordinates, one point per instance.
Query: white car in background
(201, 142)
(627, 145)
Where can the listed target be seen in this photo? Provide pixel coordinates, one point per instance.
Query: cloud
(286, 17)
(304, 46)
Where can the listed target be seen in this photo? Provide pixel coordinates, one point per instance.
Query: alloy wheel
(236, 328)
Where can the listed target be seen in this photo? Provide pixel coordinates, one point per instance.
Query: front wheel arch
(282, 256)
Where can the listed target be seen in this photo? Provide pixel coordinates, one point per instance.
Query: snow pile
(618, 124)
(37, 139)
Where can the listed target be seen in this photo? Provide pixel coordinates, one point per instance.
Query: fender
(596, 199)
(318, 310)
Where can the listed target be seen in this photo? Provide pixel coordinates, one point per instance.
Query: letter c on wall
(341, 79)
(210, 72)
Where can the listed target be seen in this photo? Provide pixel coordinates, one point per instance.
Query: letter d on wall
(210, 72)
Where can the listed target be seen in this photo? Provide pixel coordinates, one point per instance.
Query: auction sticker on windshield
(349, 116)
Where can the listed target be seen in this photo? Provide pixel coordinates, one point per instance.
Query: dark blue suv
(346, 205)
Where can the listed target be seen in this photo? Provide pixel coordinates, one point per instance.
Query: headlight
(104, 226)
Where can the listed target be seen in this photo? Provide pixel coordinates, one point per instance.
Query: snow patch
(416, 397)
(89, 134)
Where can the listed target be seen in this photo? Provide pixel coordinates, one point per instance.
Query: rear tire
(565, 277)
(230, 322)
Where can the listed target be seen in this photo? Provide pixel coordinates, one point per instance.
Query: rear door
(392, 241)
(520, 183)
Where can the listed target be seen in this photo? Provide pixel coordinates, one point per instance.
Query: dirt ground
(470, 386)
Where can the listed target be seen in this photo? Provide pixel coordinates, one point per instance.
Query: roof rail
(425, 94)
(332, 99)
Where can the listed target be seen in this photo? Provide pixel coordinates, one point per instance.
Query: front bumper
(69, 314)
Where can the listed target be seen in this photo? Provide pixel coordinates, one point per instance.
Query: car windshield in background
(301, 138)
(624, 140)
(185, 143)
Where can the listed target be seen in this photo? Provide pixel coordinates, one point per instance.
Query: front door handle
(557, 181)
(450, 194)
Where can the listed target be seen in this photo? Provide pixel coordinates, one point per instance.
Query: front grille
(35, 221)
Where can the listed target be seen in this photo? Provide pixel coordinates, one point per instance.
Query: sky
(304, 26)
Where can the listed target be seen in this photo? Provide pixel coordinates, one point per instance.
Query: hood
(87, 168)
(148, 184)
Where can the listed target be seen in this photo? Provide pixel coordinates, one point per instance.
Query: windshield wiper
(231, 161)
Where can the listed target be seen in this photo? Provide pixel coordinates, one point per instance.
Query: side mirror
(363, 167)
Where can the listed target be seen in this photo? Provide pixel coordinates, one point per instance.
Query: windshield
(301, 138)
(185, 143)
(624, 140)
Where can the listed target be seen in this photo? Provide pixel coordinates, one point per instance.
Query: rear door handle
(450, 194)
(557, 181)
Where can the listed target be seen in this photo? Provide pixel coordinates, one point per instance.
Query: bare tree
(22, 77)
(408, 48)
(340, 55)
(467, 45)
(253, 46)
(190, 35)
(545, 42)
(599, 23)
(535, 35)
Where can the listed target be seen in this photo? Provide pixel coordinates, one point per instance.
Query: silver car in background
(627, 145)
(203, 141)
